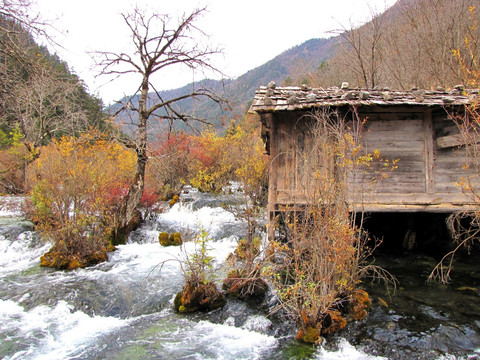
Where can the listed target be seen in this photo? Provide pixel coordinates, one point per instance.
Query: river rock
(199, 296)
(60, 261)
(174, 239)
(244, 288)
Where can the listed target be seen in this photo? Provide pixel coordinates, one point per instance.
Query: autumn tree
(244, 152)
(76, 183)
(169, 167)
(158, 46)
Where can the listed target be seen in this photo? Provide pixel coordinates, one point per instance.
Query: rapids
(123, 309)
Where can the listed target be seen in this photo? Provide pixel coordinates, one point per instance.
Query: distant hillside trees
(410, 45)
(40, 99)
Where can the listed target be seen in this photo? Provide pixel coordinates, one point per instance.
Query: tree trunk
(129, 218)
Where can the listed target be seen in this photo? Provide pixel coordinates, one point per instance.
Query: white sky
(250, 32)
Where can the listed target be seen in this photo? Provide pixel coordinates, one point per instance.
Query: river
(123, 309)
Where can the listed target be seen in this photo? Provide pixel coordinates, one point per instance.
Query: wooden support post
(429, 152)
(272, 175)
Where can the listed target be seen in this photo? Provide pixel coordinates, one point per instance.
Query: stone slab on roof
(270, 98)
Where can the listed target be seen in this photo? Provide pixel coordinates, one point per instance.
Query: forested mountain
(239, 92)
(40, 98)
(39, 95)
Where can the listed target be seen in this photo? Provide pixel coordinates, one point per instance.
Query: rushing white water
(123, 308)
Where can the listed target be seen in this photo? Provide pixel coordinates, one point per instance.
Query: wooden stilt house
(414, 128)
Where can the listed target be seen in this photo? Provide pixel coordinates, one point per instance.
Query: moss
(173, 200)
(163, 239)
(239, 286)
(110, 248)
(241, 250)
(310, 335)
(178, 301)
(199, 296)
(170, 240)
(74, 264)
(312, 328)
(333, 322)
(176, 238)
(359, 305)
(58, 260)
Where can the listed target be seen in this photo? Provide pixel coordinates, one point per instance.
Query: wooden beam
(450, 141)
(429, 152)
(272, 174)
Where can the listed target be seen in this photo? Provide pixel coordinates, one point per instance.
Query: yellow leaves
(81, 170)
(236, 156)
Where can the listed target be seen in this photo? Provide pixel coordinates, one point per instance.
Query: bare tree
(18, 25)
(158, 47)
(46, 106)
(412, 44)
(364, 50)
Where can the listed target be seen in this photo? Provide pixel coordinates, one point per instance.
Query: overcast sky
(250, 32)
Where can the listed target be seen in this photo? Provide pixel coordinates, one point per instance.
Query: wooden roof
(271, 98)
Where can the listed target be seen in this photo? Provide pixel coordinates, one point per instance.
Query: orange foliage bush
(77, 185)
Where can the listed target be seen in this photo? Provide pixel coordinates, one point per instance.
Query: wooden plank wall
(449, 161)
(425, 173)
(398, 136)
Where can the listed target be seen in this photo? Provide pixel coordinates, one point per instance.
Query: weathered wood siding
(399, 136)
(426, 173)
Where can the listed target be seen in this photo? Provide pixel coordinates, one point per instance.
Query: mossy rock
(60, 261)
(173, 200)
(241, 250)
(310, 334)
(238, 286)
(174, 239)
(199, 296)
(332, 322)
(358, 306)
(311, 328)
(163, 239)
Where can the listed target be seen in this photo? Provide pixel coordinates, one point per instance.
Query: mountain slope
(240, 91)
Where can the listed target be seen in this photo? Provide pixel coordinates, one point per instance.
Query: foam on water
(11, 206)
(21, 253)
(346, 351)
(211, 219)
(136, 261)
(142, 273)
(217, 341)
(52, 332)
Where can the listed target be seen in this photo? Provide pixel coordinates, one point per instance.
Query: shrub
(77, 187)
